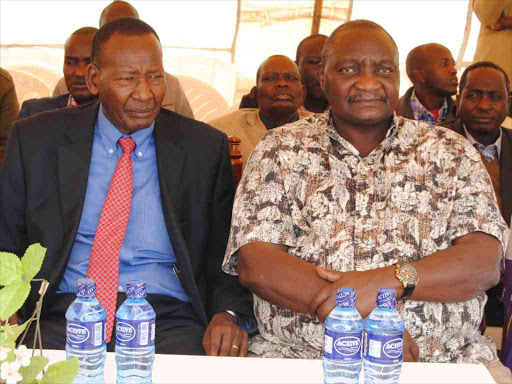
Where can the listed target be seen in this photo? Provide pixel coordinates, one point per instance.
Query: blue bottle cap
(86, 288)
(386, 298)
(346, 297)
(136, 289)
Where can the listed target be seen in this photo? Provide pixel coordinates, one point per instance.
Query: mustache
(363, 98)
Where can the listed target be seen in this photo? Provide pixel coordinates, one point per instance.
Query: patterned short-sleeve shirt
(309, 189)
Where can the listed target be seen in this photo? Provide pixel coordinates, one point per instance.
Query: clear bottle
(342, 355)
(135, 336)
(384, 340)
(85, 333)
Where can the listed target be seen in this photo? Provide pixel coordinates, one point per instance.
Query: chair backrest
(206, 102)
(236, 158)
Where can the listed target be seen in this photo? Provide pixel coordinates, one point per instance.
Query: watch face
(408, 274)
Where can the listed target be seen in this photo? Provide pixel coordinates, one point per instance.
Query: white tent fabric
(201, 39)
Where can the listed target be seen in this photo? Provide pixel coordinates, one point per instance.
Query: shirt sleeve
(475, 208)
(262, 209)
(488, 12)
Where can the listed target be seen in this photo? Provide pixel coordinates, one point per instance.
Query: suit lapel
(506, 173)
(73, 161)
(63, 102)
(171, 159)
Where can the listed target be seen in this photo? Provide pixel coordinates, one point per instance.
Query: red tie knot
(127, 144)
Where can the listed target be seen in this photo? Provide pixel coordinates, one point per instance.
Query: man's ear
(419, 76)
(92, 78)
(304, 94)
(321, 75)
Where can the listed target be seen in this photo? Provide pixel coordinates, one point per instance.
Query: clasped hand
(362, 282)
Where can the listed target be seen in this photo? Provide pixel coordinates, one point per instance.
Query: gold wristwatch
(407, 275)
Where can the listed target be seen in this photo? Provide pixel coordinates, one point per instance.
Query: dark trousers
(178, 329)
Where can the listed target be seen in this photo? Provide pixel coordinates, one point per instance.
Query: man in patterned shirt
(339, 199)
(431, 69)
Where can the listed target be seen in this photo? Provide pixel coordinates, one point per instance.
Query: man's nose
(142, 90)
(81, 69)
(282, 82)
(484, 103)
(367, 81)
(453, 69)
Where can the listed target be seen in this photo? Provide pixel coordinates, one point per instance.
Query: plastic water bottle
(342, 356)
(135, 336)
(384, 341)
(85, 333)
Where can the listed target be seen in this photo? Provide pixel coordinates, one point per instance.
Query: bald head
(270, 60)
(421, 56)
(116, 10)
(359, 25)
(431, 69)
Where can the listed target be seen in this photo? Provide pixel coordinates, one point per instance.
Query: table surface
(205, 369)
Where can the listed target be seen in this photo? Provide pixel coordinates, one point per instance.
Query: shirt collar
(110, 136)
(269, 124)
(422, 114)
(385, 145)
(472, 140)
(71, 102)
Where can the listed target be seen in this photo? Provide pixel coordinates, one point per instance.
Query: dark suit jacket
(42, 192)
(505, 165)
(404, 107)
(33, 106)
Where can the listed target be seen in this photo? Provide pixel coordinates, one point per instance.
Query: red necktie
(104, 259)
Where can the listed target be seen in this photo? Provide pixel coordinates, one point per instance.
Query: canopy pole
(317, 17)
(467, 31)
(237, 29)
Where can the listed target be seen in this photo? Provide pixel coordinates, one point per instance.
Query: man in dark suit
(431, 69)
(77, 56)
(482, 106)
(55, 182)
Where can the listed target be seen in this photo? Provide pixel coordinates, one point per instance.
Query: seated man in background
(357, 197)
(280, 94)
(9, 108)
(432, 71)
(121, 190)
(175, 98)
(482, 106)
(309, 55)
(495, 36)
(309, 52)
(77, 56)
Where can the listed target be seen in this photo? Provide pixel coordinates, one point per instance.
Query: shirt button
(140, 153)
(110, 150)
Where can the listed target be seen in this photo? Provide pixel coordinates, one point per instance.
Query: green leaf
(12, 298)
(32, 260)
(62, 372)
(10, 268)
(37, 363)
(10, 333)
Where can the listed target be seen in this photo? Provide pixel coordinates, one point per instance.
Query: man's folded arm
(277, 276)
(488, 12)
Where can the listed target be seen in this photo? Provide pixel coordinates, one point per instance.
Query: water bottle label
(135, 333)
(343, 346)
(85, 335)
(383, 349)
